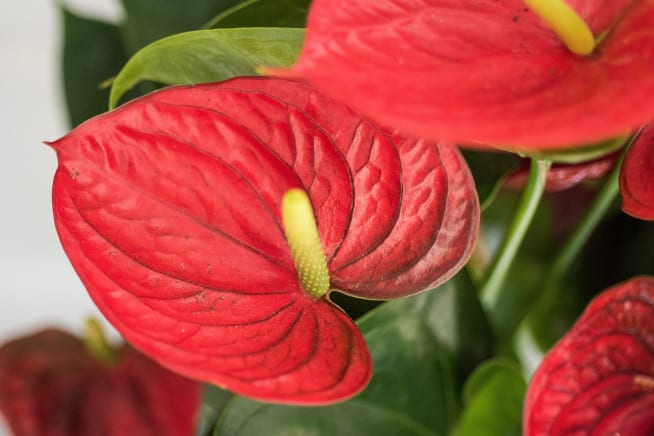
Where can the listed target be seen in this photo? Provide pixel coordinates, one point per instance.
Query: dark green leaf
(214, 401)
(208, 56)
(263, 13)
(549, 321)
(489, 170)
(215, 397)
(92, 53)
(415, 386)
(150, 20)
(493, 397)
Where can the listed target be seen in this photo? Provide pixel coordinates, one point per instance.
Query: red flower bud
(51, 385)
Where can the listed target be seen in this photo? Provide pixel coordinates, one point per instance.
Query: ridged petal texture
(169, 209)
(599, 379)
(50, 385)
(486, 71)
(637, 176)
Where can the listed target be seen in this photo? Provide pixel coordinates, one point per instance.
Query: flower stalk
(97, 344)
(570, 251)
(490, 292)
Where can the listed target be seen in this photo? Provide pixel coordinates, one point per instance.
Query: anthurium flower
(565, 176)
(50, 384)
(599, 379)
(189, 215)
(637, 176)
(487, 71)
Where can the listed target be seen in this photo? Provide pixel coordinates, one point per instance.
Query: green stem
(97, 344)
(525, 212)
(586, 226)
(570, 251)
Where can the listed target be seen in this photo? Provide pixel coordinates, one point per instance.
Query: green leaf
(263, 13)
(150, 20)
(489, 170)
(579, 154)
(214, 401)
(93, 52)
(415, 387)
(493, 395)
(208, 56)
(549, 322)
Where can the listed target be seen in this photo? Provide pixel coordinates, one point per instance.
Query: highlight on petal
(484, 71)
(170, 211)
(637, 176)
(599, 379)
(50, 384)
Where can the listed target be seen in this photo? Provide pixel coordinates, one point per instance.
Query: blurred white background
(38, 287)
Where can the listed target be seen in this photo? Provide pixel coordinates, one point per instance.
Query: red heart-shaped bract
(487, 71)
(637, 176)
(51, 385)
(169, 209)
(599, 378)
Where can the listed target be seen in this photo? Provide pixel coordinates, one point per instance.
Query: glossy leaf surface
(490, 170)
(208, 56)
(92, 53)
(637, 177)
(486, 71)
(493, 397)
(418, 345)
(50, 384)
(150, 20)
(169, 209)
(599, 379)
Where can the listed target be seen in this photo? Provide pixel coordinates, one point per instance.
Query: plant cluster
(355, 217)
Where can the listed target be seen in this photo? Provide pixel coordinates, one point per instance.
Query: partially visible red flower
(565, 176)
(51, 385)
(599, 379)
(170, 211)
(637, 176)
(487, 71)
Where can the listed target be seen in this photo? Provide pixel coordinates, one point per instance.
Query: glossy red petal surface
(483, 71)
(169, 211)
(49, 384)
(637, 177)
(599, 379)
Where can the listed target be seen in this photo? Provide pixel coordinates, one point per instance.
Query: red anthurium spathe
(488, 71)
(170, 209)
(599, 379)
(637, 176)
(51, 385)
